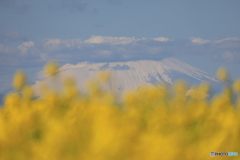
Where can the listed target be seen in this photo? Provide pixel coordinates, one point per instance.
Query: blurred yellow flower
(104, 76)
(27, 92)
(51, 68)
(236, 86)
(19, 80)
(222, 74)
(151, 123)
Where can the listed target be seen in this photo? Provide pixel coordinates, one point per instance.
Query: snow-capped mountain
(131, 74)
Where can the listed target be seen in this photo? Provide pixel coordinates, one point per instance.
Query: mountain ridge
(131, 74)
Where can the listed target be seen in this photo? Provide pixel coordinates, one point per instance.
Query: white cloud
(51, 44)
(25, 46)
(162, 39)
(228, 39)
(110, 40)
(121, 40)
(105, 48)
(56, 44)
(199, 40)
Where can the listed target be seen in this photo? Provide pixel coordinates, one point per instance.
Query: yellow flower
(222, 74)
(19, 80)
(180, 87)
(104, 76)
(149, 123)
(236, 86)
(51, 68)
(204, 87)
(12, 99)
(93, 87)
(28, 92)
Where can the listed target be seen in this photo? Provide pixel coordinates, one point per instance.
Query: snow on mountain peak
(129, 75)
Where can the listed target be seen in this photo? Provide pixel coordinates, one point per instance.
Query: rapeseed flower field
(151, 123)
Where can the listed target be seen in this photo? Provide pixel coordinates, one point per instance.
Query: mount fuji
(131, 74)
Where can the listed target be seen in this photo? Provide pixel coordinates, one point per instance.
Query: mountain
(131, 74)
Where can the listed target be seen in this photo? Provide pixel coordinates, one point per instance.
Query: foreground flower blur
(152, 123)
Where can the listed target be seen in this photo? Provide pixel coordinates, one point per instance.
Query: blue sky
(67, 19)
(203, 33)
